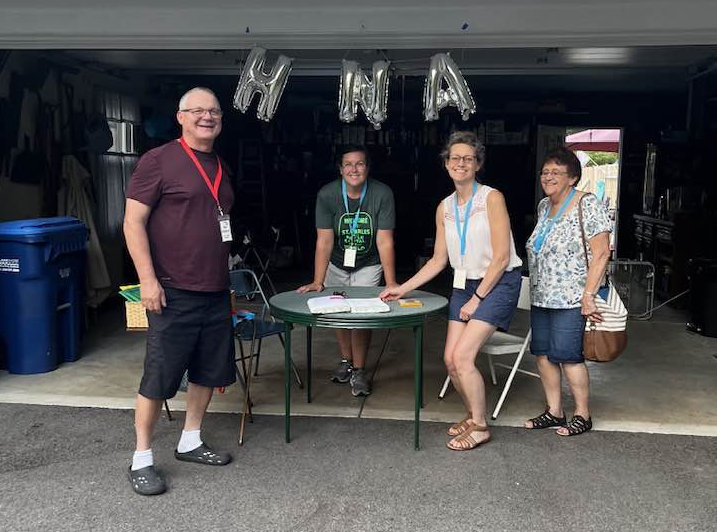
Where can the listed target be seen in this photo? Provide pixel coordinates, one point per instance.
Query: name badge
(225, 227)
(350, 257)
(459, 279)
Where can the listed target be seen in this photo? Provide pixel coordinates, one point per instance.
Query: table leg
(287, 382)
(418, 379)
(309, 330)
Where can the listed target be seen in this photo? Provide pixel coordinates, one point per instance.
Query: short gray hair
(464, 137)
(186, 95)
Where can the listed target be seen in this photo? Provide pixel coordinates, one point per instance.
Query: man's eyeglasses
(342, 294)
(359, 165)
(552, 173)
(468, 159)
(199, 111)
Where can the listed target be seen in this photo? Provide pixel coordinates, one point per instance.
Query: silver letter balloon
(457, 93)
(269, 85)
(356, 89)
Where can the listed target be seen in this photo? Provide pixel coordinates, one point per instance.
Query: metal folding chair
(635, 282)
(240, 319)
(247, 290)
(251, 255)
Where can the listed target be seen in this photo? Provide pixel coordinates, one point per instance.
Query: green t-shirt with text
(377, 212)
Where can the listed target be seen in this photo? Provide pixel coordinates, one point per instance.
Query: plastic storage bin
(42, 265)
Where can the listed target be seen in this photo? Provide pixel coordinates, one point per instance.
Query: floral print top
(558, 272)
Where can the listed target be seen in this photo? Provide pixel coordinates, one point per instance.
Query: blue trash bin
(42, 264)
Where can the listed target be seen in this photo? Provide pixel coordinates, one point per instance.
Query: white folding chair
(501, 343)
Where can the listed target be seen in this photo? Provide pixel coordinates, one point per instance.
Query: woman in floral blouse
(563, 289)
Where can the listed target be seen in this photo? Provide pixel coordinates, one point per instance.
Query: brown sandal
(466, 441)
(459, 428)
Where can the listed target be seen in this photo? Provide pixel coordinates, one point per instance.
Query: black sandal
(578, 425)
(546, 420)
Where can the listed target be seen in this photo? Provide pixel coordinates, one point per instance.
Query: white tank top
(479, 251)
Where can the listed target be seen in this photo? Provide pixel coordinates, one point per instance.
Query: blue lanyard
(346, 203)
(547, 225)
(469, 205)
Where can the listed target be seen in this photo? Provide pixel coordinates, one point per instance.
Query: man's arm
(136, 215)
(387, 255)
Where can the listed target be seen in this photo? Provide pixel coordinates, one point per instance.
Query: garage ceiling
(305, 24)
(628, 45)
(662, 68)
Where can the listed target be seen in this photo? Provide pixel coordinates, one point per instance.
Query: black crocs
(146, 481)
(204, 455)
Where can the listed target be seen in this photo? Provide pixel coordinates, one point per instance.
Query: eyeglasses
(199, 111)
(342, 294)
(468, 159)
(361, 165)
(552, 173)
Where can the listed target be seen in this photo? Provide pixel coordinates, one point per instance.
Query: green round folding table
(293, 309)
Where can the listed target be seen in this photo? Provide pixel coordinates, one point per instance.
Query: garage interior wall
(646, 115)
(297, 146)
(45, 111)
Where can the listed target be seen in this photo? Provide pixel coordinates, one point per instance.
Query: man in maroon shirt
(178, 233)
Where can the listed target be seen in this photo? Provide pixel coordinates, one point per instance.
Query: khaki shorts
(366, 276)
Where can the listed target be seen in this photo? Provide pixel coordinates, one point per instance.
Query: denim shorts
(557, 334)
(499, 304)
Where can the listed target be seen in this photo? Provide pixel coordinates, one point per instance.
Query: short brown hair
(564, 157)
(464, 137)
(351, 148)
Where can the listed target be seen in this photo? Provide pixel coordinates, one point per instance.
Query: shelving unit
(668, 244)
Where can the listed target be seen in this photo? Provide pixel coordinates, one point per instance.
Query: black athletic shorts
(193, 333)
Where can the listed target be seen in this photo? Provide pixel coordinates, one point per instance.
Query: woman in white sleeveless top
(473, 234)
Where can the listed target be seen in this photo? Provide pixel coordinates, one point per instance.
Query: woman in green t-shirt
(355, 218)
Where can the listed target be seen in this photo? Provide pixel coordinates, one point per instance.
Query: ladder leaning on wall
(251, 180)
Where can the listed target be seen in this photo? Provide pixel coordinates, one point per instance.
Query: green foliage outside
(599, 158)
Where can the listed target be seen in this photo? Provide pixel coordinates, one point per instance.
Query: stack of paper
(331, 304)
(368, 305)
(328, 304)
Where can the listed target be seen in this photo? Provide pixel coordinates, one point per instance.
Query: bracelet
(480, 298)
(588, 292)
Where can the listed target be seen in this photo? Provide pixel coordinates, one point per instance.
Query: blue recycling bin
(42, 264)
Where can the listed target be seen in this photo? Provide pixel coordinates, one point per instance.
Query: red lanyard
(213, 188)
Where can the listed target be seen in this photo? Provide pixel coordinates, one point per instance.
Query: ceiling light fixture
(598, 56)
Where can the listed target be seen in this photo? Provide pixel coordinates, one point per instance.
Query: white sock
(142, 459)
(189, 441)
